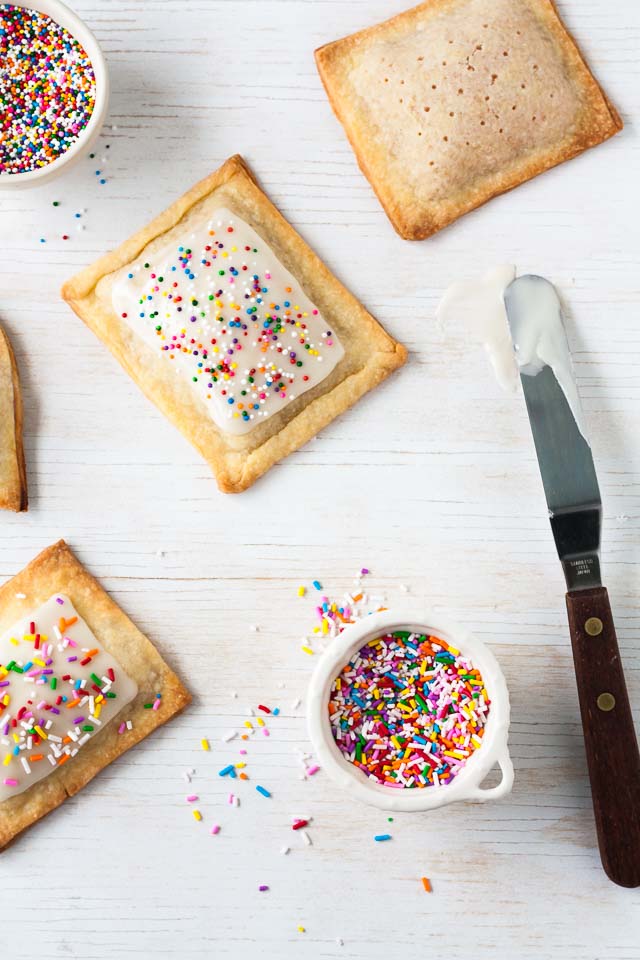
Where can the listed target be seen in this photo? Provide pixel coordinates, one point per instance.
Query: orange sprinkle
(63, 624)
(426, 883)
(74, 703)
(63, 759)
(36, 756)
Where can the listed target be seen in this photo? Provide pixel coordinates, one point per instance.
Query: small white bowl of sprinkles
(54, 89)
(409, 713)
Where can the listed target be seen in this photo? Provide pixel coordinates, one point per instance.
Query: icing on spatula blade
(573, 498)
(564, 455)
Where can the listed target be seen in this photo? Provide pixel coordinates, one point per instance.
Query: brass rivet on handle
(606, 702)
(594, 626)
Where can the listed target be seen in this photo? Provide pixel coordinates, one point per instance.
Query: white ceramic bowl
(66, 18)
(467, 785)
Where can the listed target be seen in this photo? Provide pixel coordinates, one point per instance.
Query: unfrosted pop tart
(79, 685)
(233, 327)
(456, 101)
(13, 474)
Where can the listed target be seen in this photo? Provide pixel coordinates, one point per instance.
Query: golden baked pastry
(13, 473)
(80, 686)
(233, 327)
(457, 101)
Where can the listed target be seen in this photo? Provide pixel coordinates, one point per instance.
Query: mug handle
(502, 788)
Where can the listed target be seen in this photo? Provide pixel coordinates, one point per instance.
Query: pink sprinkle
(215, 829)
(364, 572)
(230, 799)
(122, 728)
(192, 798)
(313, 770)
(243, 752)
(266, 732)
(156, 703)
(10, 783)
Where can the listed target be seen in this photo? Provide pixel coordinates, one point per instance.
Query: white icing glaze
(540, 339)
(230, 318)
(28, 699)
(479, 305)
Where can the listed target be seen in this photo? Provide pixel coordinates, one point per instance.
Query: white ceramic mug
(67, 18)
(467, 785)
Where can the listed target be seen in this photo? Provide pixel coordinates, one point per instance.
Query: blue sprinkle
(226, 770)
(276, 711)
(382, 836)
(317, 585)
(263, 791)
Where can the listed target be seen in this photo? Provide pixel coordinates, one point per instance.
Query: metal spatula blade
(564, 456)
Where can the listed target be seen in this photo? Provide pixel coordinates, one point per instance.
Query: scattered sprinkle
(263, 791)
(426, 883)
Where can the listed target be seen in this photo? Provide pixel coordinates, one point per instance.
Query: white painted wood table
(431, 482)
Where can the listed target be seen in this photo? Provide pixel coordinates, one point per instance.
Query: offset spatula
(575, 511)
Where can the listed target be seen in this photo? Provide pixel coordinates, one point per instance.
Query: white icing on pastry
(49, 704)
(230, 318)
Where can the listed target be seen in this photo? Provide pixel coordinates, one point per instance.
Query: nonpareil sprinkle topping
(47, 89)
(409, 710)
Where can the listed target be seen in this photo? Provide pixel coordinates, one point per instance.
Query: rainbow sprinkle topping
(219, 306)
(47, 89)
(408, 710)
(58, 690)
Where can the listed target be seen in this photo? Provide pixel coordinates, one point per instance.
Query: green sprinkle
(96, 679)
(53, 683)
(88, 728)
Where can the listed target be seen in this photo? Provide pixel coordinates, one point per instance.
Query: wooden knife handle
(612, 748)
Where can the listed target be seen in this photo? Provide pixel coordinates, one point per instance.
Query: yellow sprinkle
(7, 760)
(325, 625)
(248, 724)
(455, 652)
(316, 629)
(241, 765)
(260, 722)
(40, 731)
(205, 746)
(197, 815)
(14, 642)
(6, 699)
(302, 591)
(301, 930)
(307, 650)
(16, 738)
